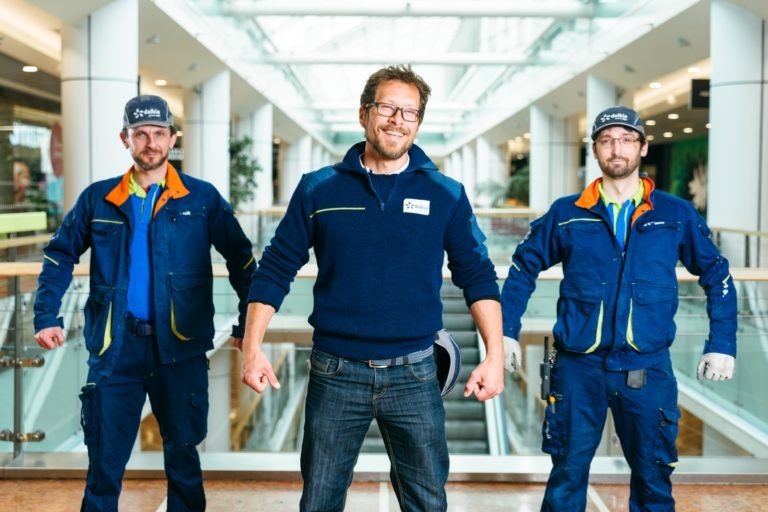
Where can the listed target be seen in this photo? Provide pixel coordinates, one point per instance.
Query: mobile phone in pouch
(636, 378)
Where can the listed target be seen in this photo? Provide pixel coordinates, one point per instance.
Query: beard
(150, 161)
(618, 168)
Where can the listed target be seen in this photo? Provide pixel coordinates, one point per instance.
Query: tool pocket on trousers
(88, 414)
(554, 431)
(666, 449)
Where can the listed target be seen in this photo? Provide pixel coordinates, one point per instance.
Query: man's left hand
(486, 380)
(714, 366)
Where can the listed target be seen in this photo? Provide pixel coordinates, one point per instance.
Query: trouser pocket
(554, 431)
(665, 452)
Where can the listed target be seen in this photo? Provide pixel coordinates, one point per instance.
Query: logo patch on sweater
(417, 206)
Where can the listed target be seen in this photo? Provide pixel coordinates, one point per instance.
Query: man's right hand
(256, 371)
(50, 337)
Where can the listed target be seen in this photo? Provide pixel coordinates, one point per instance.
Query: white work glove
(714, 366)
(513, 355)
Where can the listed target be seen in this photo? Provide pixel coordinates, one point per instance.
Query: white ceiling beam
(441, 8)
(438, 59)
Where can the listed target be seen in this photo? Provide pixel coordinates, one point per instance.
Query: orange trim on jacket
(174, 188)
(591, 196)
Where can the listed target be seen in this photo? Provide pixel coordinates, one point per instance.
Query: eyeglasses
(624, 141)
(387, 110)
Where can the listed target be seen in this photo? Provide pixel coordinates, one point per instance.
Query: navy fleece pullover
(380, 263)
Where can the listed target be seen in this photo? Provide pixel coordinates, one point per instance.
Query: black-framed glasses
(388, 110)
(624, 140)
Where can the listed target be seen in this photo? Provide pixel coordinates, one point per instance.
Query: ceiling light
(667, 135)
(650, 137)
(179, 133)
(707, 126)
(655, 85)
(29, 69)
(276, 141)
(526, 135)
(153, 39)
(694, 69)
(687, 129)
(650, 122)
(673, 116)
(586, 140)
(161, 83)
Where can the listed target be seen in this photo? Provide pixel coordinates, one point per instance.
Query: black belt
(412, 358)
(138, 327)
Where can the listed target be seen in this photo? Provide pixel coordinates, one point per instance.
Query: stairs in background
(465, 425)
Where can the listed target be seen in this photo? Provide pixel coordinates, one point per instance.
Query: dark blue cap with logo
(147, 109)
(617, 116)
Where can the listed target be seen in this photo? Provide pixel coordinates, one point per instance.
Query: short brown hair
(402, 73)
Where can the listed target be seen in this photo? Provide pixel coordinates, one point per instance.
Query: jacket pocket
(98, 319)
(191, 306)
(651, 318)
(579, 317)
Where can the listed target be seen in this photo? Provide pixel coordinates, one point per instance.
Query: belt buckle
(372, 363)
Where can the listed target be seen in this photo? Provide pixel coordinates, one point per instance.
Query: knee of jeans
(188, 422)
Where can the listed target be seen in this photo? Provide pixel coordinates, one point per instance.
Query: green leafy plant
(242, 171)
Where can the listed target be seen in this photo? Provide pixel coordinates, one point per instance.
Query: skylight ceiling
(484, 59)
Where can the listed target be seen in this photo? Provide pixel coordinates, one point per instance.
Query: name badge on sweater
(417, 206)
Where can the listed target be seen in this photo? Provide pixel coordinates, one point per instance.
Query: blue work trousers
(111, 413)
(646, 422)
(343, 398)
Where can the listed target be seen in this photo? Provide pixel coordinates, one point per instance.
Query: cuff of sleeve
(267, 292)
(45, 321)
(484, 291)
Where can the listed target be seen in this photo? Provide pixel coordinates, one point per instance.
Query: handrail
(32, 269)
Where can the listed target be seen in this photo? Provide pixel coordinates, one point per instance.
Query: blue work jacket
(189, 217)
(620, 305)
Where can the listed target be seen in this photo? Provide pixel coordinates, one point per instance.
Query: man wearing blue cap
(149, 314)
(619, 242)
(380, 222)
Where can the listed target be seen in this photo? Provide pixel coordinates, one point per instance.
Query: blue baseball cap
(147, 109)
(448, 361)
(617, 116)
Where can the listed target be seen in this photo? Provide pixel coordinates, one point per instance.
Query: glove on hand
(513, 355)
(714, 366)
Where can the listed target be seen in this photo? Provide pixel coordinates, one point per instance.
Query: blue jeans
(646, 422)
(111, 413)
(343, 397)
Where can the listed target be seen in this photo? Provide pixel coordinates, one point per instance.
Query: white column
(258, 126)
(601, 94)
(206, 132)
(491, 172)
(99, 74)
(468, 171)
(540, 184)
(453, 169)
(739, 127)
(317, 159)
(298, 160)
(219, 382)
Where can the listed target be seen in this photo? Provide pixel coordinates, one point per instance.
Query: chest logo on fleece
(417, 206)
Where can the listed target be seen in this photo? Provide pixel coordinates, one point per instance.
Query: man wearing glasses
(619, 242)
(380, 223)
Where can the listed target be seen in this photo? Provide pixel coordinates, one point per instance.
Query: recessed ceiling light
(694, 69)
(667, 135)
(161, 83)
(526, 135)
(687, 129)
(707, 126)
(586, 140)
(673, 116)
(655, 85)
(276, 140)
(650, 137)
(651, 122)
(179, 133)
(29, 69)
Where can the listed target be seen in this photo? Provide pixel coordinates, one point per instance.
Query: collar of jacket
(590, 197)
(174, 188)
(418, 159)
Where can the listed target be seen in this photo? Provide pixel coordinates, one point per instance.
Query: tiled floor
(63, 495)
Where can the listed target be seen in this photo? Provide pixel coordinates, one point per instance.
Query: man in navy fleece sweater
(380, 223)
